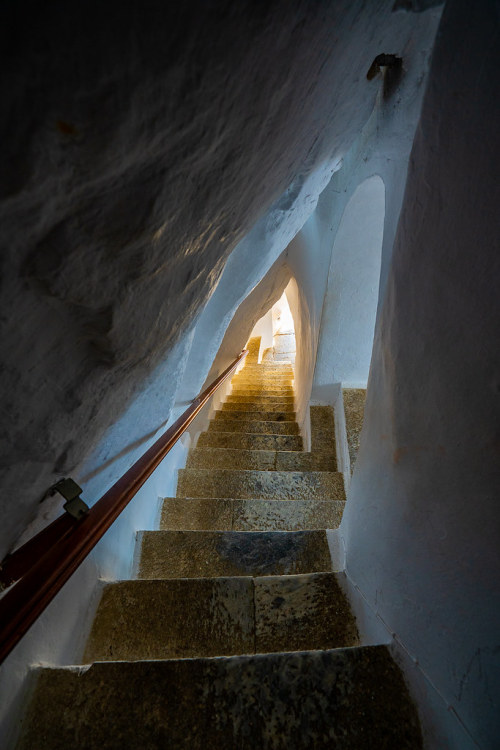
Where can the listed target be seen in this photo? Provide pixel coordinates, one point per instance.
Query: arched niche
(350, 306)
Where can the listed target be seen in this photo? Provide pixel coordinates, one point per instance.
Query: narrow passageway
(240, 568)
(284, 347)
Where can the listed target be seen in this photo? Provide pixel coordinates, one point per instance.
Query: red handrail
(47, 574)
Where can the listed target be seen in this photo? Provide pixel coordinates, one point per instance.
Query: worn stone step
(261, 400)
(301, 613)
(247, 441)
(278, 394)
(274, 381)
(301, 461)
(262, 460)
(258, 373)
(255, 416)
(267, 369)
(253, 348)
(262, 387)
(271, 405)
(266, 485)
(259, 388)
(193, 617)
(259, 427)
(207, 554)
(348, 699)
(173, 618)
(230, 514)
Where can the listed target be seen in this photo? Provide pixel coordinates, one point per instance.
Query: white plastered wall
(264, 329)
(350, 304)
(420, 528)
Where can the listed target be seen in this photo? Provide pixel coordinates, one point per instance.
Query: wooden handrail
(47, 573)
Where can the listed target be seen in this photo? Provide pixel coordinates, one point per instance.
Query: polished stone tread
(208, 554)
(228, 514)
(347, 699)
(267, 485)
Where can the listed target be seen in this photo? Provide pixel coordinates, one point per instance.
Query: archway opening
(277, 331)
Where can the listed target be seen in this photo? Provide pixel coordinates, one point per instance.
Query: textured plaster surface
(350, 305)
(179, 554)
(423, 504)
(351, 699)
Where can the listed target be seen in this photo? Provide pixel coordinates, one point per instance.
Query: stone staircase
(236, 633)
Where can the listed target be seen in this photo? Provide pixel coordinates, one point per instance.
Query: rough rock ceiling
(141, 142)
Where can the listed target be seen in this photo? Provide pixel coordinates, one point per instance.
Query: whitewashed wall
(421, 527)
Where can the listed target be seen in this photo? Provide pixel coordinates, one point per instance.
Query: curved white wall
(351, 299)
(421, 525)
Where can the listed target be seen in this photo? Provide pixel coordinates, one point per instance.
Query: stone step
(266, 364)
(278, 394)
(255, 416)
(261, 460)
(229, 514)
(259, 427)
(253, 346)
(274, 381)
(349, 699)
(246, 441)
(181, 618)
(272, 387)
(265, 485)
(203, 617)
(264, 374)
(267, 369)
(209, 554)
(262, 387)
(256, 406)
(260, 400)
(257, 384)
